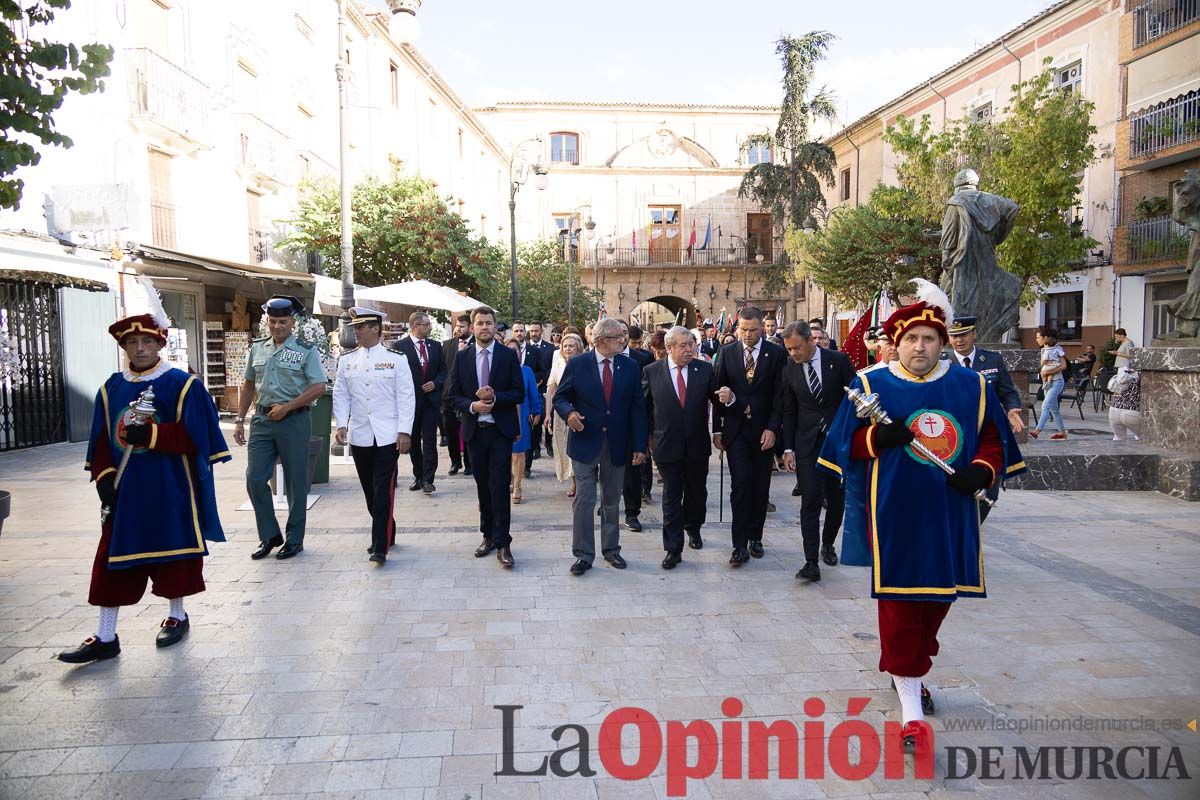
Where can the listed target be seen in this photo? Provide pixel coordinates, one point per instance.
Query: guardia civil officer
(283, 378)
(373, 407)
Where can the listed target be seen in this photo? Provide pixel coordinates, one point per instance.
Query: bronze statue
(975, 223)
(1186, 212)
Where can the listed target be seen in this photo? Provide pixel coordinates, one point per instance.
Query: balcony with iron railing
(566, 155)
(1155, 19)
(1165, 126)
(167, 97)
(669, 256)
(265, 152)
(260, 246)
(1157, 239)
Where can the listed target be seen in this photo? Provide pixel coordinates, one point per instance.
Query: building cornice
(620, 105)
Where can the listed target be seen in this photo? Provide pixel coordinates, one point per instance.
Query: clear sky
(699, 51)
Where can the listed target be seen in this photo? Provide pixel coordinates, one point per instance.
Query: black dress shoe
(796, 491)
(633, 523)
(770, 508)
(810, 571)
(671, 561)
(455, 469)
(485, 547)
(829, 555)
(695, 542)
(467, 471)
(171, 631)
(416, 485)
(265, 548)
(92, 649)
(580, 567)
(289, 550)
(504, 556)
(377, 558)
(739, 557)
(616, 560)
(756, 548)
(429, 488)
(926, 701)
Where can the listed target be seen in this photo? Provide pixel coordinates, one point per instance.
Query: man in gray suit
(990, 365)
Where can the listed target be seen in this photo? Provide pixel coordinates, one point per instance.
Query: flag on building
(721, 323)
(692, 239)
(707, 234)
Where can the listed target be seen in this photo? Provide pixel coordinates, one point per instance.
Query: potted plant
(1152, 207)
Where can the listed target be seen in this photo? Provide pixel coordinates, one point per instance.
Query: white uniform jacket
(373, 396)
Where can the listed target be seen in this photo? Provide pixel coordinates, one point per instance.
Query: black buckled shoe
(265, 548)
(829, 555)
(289, 550)
(171, 631)
(92, 649)
(485, 547)
(756, 548)
(695, 542)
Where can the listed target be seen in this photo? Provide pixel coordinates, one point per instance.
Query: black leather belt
(265, 410)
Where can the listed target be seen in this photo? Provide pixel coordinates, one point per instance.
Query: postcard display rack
(237, 346)
(214, 364)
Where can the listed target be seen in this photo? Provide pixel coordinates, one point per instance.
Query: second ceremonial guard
(373, 407)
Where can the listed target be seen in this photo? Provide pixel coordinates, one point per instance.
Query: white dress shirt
(816, 367)
(970, 355)
(674, 371)
(373, 396)
(479, 351)
(742, 355)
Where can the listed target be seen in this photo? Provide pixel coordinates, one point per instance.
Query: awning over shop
(45, 260)
(251, 280)
(421, 294)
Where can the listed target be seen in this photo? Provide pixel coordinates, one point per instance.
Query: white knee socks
(177, 609)
(909, 690)
(107, 630)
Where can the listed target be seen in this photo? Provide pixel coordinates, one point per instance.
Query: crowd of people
(610, 414)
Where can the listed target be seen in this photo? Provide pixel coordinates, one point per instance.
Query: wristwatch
(239, 420)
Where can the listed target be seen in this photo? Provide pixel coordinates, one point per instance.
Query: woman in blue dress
(530, 413)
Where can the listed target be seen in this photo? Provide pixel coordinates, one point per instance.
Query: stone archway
(663, 309)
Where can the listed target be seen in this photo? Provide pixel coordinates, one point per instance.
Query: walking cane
(721, 494)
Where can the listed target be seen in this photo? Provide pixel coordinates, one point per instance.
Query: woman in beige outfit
(571, 345)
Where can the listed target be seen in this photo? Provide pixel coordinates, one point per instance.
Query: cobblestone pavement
(325, 676)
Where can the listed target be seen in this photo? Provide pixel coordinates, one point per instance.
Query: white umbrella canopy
(420, 294)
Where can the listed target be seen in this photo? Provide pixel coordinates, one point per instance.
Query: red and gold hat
(139, 323)
(932, 308)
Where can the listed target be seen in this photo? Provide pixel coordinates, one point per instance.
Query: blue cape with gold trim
(166, 503)
(920, 536)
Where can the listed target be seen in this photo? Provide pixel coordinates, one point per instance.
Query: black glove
(894, 434)
(107, 490)
(971, 478)
(138, 435)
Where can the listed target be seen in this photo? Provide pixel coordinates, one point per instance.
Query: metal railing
(564, 156)
(645, 256)
(1156, 18)
(1157, 239)
(1165, 125)
(264, 148)
(260, 246)
(167, 94)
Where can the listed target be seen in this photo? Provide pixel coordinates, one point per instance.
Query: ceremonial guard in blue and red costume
(163, 509)
(922, 524)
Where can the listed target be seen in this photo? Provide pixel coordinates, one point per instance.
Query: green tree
(542, 278)
(1034, 153)
(790, 185)
(35, 77)
(878, 245)
(401, 229)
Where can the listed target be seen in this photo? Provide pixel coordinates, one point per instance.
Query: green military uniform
(280, 374)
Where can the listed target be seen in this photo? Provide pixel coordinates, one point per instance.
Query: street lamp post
(404, 32)
(515, 181)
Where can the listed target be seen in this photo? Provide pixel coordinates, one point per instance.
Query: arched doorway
(662, 310)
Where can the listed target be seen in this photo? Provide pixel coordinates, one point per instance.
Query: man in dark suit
(450, 426)
(428, 374)
(486, 389)
(820, 335)
(748, 376)
(600, 397)
(679, 391)
(710, 345)
(811, 389)
(990, 365)
(632, 491)
(546, 351)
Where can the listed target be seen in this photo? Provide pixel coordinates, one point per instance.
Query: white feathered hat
(148, 314)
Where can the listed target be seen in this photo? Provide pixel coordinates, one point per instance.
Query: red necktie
(607, 382)
(424, 358)
(682, 388)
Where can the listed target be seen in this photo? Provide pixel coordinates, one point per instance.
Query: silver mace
(867, 406)
(141, 410)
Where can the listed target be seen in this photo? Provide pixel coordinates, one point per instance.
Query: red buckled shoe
(914, 737)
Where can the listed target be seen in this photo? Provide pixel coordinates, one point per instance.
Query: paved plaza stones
(325, 676)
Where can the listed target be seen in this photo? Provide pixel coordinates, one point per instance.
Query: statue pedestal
(1170, 396)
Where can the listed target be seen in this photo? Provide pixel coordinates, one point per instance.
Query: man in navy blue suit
(748, 373)
(600, 397)
(635, 480)
(486, 388)
(428, 376)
